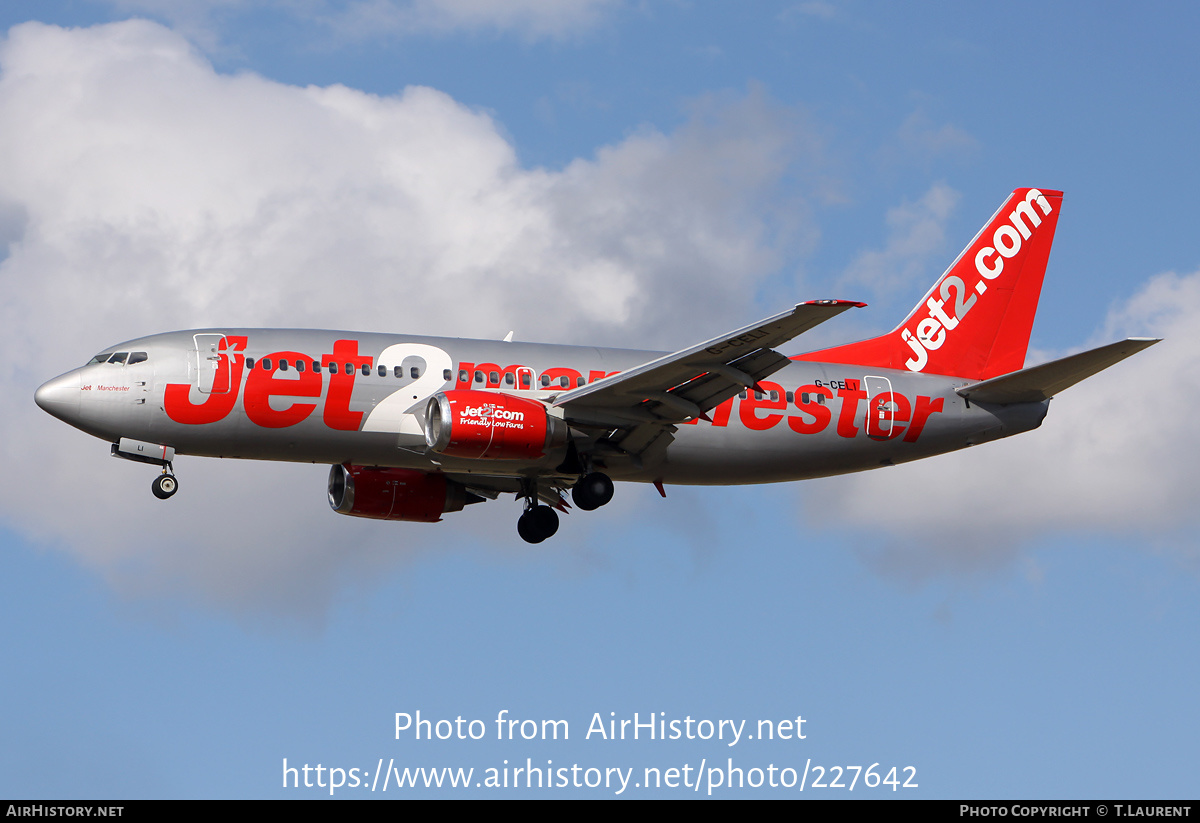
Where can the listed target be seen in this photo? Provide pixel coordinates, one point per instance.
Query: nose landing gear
(164, 485)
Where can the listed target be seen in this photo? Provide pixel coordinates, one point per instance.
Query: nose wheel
(164, 486)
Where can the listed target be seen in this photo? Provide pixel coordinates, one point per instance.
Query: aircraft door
(212, 365)
(881, 408)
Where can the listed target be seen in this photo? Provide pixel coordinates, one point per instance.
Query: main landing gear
(164, 485)
(540, 521)
(592, 491)
(537, 523)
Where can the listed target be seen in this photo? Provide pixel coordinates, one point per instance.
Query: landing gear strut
(164, 485)
(592, 491)
(539, 521)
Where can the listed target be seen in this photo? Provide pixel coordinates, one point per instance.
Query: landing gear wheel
(592, 491)
(164, 486)
(538, 523)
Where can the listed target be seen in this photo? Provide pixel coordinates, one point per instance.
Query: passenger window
(316, 366)
(333, 368)
(580, 381)
(249, 363)
(774, 395)
(525, 379)
(414, 372)
(564, 381)
(508, 378)
(478, 377)
(463, 377)
(366, 370)
(789, 396)
(493, 377)
(138, 357)
(283, 365)
(445, 374)
(742, 394)
(804, 397)
(398, 371)
(545, 381)
(349, 368)
(383, 371)
(299, 365)
(266, 363)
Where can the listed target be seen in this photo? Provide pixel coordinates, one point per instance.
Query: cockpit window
(119, 358)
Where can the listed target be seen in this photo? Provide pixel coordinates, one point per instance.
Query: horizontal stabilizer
(1043, 382)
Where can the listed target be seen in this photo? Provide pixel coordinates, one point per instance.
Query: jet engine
(395, 494)
(486, 425)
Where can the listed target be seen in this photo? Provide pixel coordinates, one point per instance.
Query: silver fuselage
(364, 404)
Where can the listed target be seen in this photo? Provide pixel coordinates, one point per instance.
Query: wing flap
(1043, 382)
(688, 383)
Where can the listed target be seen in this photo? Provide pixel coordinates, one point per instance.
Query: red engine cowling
(394, 494)
(488, 425)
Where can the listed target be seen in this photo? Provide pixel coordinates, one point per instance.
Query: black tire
(546, 521)
(164, 486)
(537, 524)
(527, 528)
(592, 491)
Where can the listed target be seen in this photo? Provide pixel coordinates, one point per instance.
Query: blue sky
(1013, 621)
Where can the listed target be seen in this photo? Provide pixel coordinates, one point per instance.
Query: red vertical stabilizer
(975, 321)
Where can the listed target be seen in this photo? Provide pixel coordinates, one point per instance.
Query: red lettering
(820, 412)
(885, 410)
(263, 384)
(719, 415)
(850, 398)
(554, 378)
(924, 408)
(748, 408)
(500, 381)
(177, 400)
(341, 386)
(464, 375)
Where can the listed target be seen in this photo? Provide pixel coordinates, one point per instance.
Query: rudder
(976, 320)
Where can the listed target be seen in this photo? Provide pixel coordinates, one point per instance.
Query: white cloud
(1114, 456)
(140, 191)
(364, 19)
(533, 18)
(916, 233)
(921, 138)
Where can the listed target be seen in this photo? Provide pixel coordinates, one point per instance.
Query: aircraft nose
(60, 396)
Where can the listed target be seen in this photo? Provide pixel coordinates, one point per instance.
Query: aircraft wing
(1042, 382)
(688, 383)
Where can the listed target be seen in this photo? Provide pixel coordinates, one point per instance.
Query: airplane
(418, 427)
